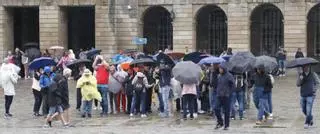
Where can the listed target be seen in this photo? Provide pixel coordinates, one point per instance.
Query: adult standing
(102, 75)
(9, 77)
(214, 73)
(17, 58)
(281, 57)
(36, 90)
(225, 88)
(299, 54)
(309, 83)
(189, 94)
(148, 72)
(77, 76)
(164, 82)
(62, 81)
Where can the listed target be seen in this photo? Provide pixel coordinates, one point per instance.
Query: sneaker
(131, 115)
(202, 112)
(89, 115)
(226, 128)
(195, 115)
(218, 126)
(241, 118)
(95, 108)
(83, 116)
(143, 116)
(306, 126)
(50, 123)
(270, 116)
(258, 122)
(233, 118)
(66, 125)
(7, 115)
(311, 123)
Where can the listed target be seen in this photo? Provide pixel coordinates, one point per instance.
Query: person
(71, 55)
(164, 73)
(128, 87)
(262, 87)
(189, 92)
(213, 82)
(204, 91)
(299, 54)
(10, 57)
(112, 96)
(309, 83)
(54, 95)
(140, 85)
(64, 60)
(17, 58)
(9, 77)
(77, 76)
(89, 91)
(45, 81)
(226, 52)
(156, 89)
(148, 72)
(102, 75)
(281, 57)
(25, 61)
(238, 96)
(36, 90)
(120, 76)
(64, 89)
(82, 54)
(46, 53)
(224, 89)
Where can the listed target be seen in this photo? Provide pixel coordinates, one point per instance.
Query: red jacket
(102, 75)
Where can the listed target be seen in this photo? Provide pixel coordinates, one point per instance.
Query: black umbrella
(165, 58)
(299, 62)
(195, 57)
(144, 61)
(93, 52)
(31, 44)
(78, 62)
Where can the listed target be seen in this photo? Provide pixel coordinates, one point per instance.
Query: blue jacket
(45, 80)
(225, 85)
(308, 84)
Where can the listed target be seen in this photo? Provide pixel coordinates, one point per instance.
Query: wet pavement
(288, 117)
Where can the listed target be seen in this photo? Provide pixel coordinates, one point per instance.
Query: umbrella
(167, 59)
(242, 62)
(123, 59)
(211, 60)
(301, 62)
(31, 44)
(114, 85)
(41, 62)
(125, 65)
(130, 51)
(175, 55)
(187, 72)
(145, 61)
(226, 57)
(77, 62)
(269, 63)
(116, 58)
(93, 52)
(56, 48)
(195, 57)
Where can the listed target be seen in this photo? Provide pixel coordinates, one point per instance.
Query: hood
(47, 69)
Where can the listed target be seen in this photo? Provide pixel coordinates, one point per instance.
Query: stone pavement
(288, 117)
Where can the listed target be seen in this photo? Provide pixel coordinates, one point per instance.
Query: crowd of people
(219, 91)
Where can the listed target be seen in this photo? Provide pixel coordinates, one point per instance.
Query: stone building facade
(116, 22)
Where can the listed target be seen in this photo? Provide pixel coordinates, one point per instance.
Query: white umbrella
(56, 48)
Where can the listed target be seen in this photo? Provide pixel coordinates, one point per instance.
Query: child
(89, 91)
(140, 84)
(55, 101)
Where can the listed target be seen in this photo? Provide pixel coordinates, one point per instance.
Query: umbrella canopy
(226, 57)
(116, 58)
(41, 62)
(299, 62)
(187, 72)
(130, 51)
(195, 57)
(175, 55)
(242, 62)
(78, 62)
(123, 59)
(56, 48)
(144, 61)
(211, 60)
(268, 62)
(93, 52)
(167, 59)
(31, 44)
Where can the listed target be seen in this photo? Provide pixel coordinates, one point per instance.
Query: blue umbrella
(299, 62)
(211, 60)
(93, 52)
(117, 58)
(122, 60)
(226, 57)
(195, 57)
(41, 62)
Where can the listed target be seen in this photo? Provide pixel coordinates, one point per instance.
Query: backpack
(139, 86)
(239, 82)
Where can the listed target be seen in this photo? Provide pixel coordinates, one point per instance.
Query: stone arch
(267, 30)
(211, 30)
(313, 31)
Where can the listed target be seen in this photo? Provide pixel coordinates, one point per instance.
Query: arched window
(212, 30)
(266, 30)
(313, 32)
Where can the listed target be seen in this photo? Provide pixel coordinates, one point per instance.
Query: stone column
(48, 26)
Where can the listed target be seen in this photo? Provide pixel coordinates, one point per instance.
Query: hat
(67, 71)
(139, 74)
(87, 72)
(47, 69)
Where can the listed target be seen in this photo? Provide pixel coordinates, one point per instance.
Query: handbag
(24, 59)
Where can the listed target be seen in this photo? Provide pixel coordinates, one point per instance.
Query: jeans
(142, 96)
(256, 95)
(306, 105)
(45, 106)
(213, 100)
(37, 100)
(8, 101)
(86, 107)
(224, 103)
(161, 109)
(270, 101)
(112, 102)
(129, 103)
(104, 103)
(79, 98)
(149, 99)
(188, 102)
(237, 96)
(248, 97)
(281, 66)
(165, 91)
(205, 106)
(263, 106)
